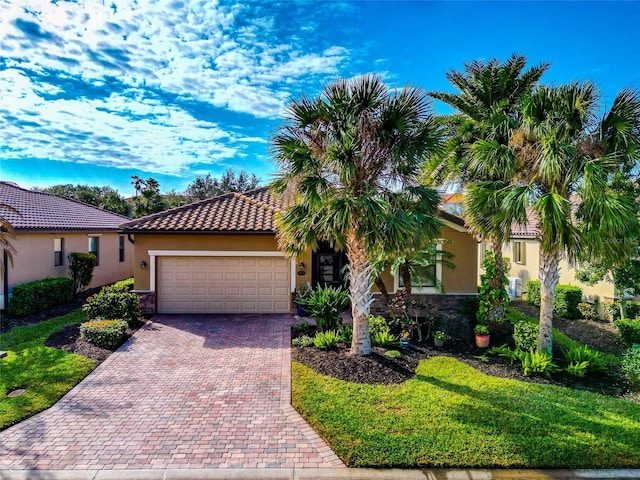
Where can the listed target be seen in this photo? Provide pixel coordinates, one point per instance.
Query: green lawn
(452, 415)
(46, 373)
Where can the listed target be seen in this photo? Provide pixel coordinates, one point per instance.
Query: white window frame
(61, 264)
(422, 290)
(97, 237)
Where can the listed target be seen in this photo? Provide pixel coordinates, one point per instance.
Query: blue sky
(96, 91)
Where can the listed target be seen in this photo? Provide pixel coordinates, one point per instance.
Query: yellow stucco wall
(460, 280)
(463, 278)
(528, 270)
(34, 258)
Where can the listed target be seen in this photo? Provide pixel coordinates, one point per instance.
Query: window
(518, 252)
(121, 249)
(426, 279)
(426, 274)
(94, 247)
(58, 251)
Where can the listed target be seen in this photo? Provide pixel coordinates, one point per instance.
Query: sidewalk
(317, 474)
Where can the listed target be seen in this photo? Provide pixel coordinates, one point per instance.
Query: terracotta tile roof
(251, 211)
(44, 211)
(530, 229)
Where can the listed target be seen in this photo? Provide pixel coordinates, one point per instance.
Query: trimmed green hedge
(123, 286)
(38, 296)
(104, 333)
(629, 330)
(106, 304)
(565, 301)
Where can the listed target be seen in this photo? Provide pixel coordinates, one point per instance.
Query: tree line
(149, 198)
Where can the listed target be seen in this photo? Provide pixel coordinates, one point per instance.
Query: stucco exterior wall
(34, 259)
(464, 277)
(528, 270)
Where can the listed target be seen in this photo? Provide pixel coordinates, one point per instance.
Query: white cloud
(77, 76)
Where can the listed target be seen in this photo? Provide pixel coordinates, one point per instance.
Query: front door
(328, 267)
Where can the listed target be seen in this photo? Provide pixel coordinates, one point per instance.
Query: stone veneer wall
(147, 301)
(434, 303)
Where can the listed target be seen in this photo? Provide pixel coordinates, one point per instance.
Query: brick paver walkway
(184, 392)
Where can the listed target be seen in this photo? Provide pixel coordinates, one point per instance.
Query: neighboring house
(523, 252)
(49, 227)
(221, 255)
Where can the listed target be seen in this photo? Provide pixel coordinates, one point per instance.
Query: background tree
(207, 186)
(348, 161)
(102, 197)
(7, 233)
(150, 199)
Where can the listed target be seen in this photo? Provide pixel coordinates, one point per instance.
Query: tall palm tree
(477, 154)
(7, 233)
(348, 161)
(565, 158)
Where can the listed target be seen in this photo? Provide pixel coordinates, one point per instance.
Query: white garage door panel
(223, 285)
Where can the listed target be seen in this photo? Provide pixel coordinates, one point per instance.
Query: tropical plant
(578, 369)
(325, 304)
(481, 330)
(579, 354)
(487, 103)
(588, 311)
(492, 294)
(345, 333)
(505, 351)
(348, 162)
(148, 198)
(384, 338)
(535, 361)
(326, 340)
(7, 233)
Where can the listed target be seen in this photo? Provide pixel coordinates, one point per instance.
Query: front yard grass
(46, 373)
(452, 415)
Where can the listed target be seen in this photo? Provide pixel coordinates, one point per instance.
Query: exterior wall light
(143, 264)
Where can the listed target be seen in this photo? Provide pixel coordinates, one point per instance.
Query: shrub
(393, 354)
(384, 338)
(566, 300)
(629, 330)
(113, 305)
(538, 362)
(104, 333)
(377, 324)
(123, 286)
(300, 326)
(38, 296)
(588, 311)
(631, 366)
(326, 340)
(613, 310)
(303, 341)
(525, 335)
(81, 267)
(533, 292)
(325, 304)
(345, 333)
(593, 360)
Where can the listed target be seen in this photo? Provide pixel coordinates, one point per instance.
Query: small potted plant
(482, 336)
(404, 339)
(303, 293)
(439, 337)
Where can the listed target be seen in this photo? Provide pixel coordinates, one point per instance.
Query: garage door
(223, 285)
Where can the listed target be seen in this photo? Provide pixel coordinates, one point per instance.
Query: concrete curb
(317, 474)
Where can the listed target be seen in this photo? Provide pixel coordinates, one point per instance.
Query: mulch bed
(377, 368)
(69, 340)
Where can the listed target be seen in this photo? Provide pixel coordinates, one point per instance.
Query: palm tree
(7, 233)
(477, 154)
(348, 162)
(565, 160)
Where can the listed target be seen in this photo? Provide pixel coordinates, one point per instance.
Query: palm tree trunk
(405, 273)
(383, 289)
(497, 308)
(360, 283)
(549, 276)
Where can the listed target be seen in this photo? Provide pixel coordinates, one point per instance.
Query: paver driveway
(184, 392)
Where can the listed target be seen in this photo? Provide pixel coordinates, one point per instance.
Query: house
(221, 255)
(523, 252)
(49, 227)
